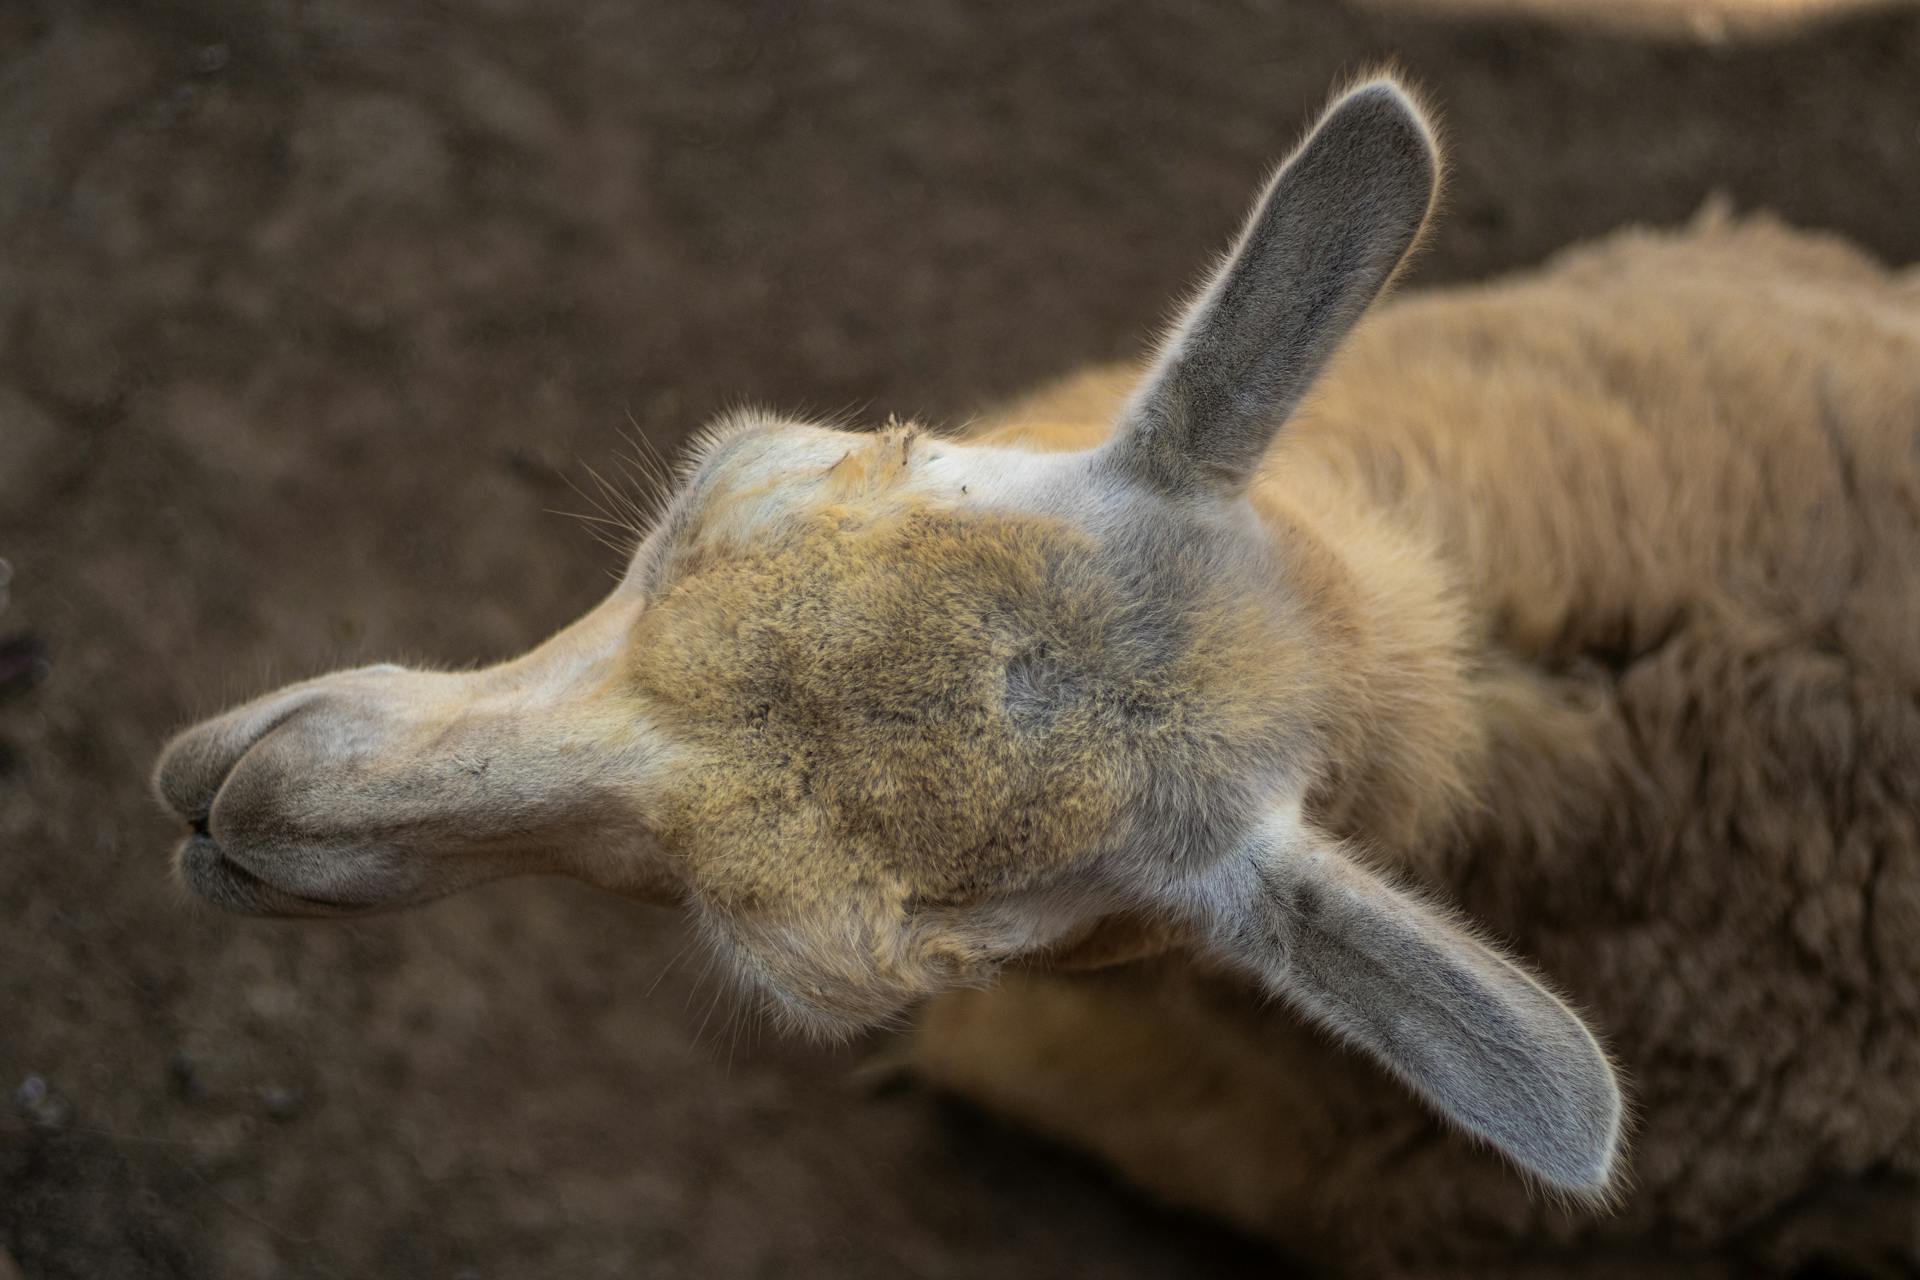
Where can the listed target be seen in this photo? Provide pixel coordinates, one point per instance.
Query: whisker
(620, 504)
(719, 990)
(668, 968)
(620, 547)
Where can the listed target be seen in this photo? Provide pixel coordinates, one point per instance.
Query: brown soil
(310, 310)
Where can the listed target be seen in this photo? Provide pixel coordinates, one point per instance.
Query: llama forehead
(937, 671)
(846, 685)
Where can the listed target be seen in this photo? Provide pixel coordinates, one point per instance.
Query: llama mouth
(218, 880)
(192, 774)
(196, 765)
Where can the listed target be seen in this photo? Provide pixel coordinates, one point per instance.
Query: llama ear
(1485, 1044)
(1323, 239)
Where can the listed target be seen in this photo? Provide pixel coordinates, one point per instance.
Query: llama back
(1676, 477)
(1662, 424)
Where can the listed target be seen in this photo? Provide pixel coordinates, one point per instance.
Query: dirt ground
(311, 311)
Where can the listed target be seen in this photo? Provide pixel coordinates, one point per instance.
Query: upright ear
(1484, 1043)
(1322, 241)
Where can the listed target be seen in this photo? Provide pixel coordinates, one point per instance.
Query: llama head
(887, 711)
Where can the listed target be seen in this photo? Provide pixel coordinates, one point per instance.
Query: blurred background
(312, 313)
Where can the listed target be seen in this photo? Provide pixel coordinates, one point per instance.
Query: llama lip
(196, 765)
(220, 881)
(193, 780)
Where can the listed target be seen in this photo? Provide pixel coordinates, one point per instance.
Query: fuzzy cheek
(837, 973)
(825, 999)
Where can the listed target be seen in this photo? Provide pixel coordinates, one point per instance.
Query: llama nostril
(199, 826)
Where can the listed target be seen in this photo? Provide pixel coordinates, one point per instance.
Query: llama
(1573, 618)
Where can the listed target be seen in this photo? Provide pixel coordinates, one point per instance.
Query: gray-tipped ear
(1484, 1043)
(1322, 241)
